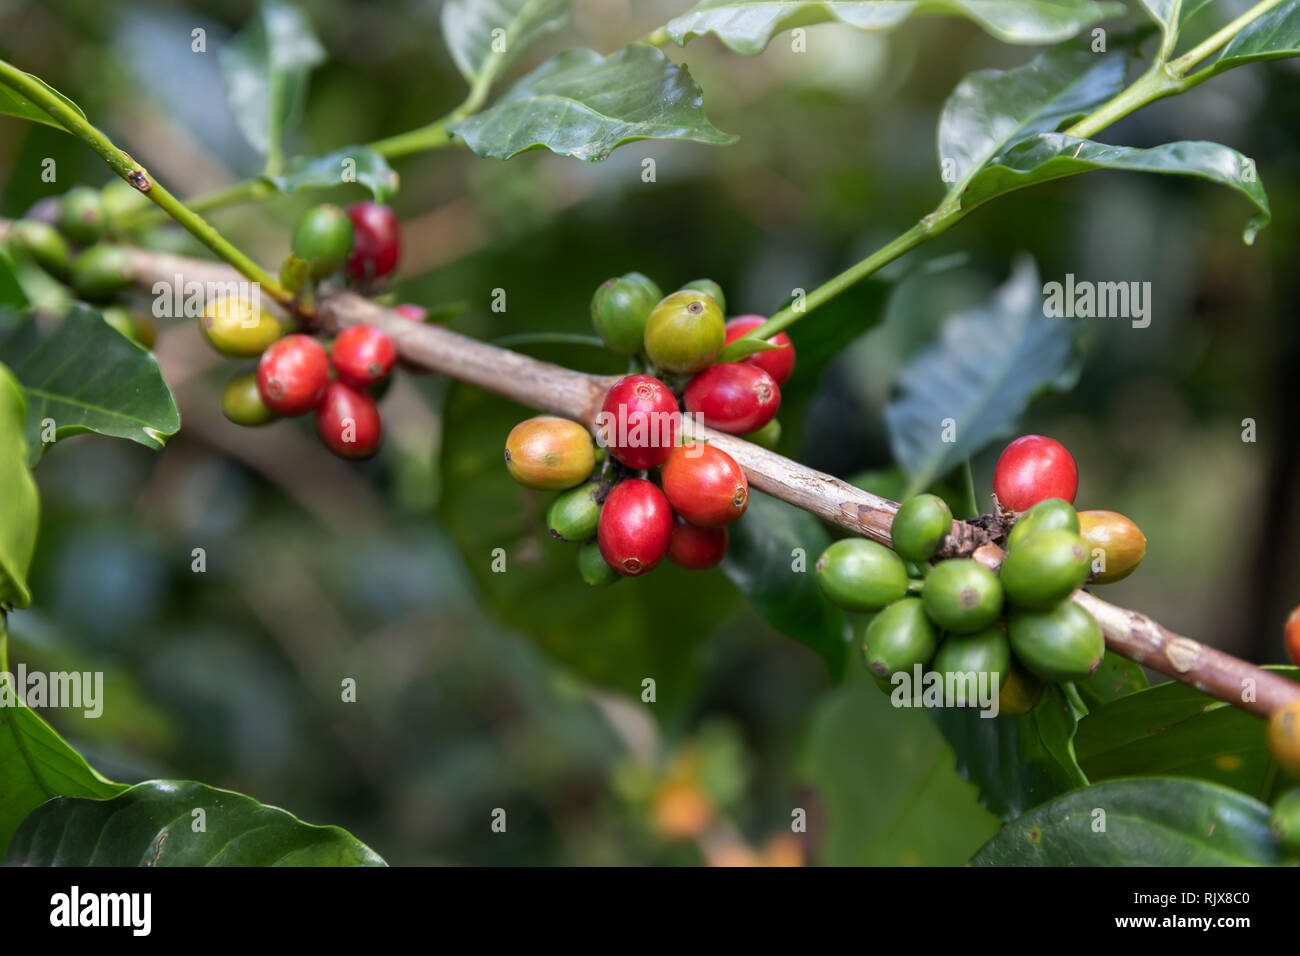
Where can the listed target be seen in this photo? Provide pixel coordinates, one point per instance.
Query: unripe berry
(636, 526)
(1019, 692)
(899, 638)
(1052, 513)
(1032, 469)
(1121, 542)
(348, 422)
(1044, 568)
(1291, 635)
(685, 332)
(376, 242)
(593, 567)
(962, 596)
(43, 245)
(696, 548)
(140, 330)
(574, 514)
(363, 355)
(549, 453)
(292, 375)
(639, 421)
(708, 287)
(81, 215)
(234, 328)
(242, 403)
(861, 575)
(1064, 643)
(705, 485)
(323, 237)
(1285, 822)
(1284, 737)
(101, 272)
(619, 310)
(766, 437)
(920, 526)
(778, 362)
(733, 397)
(984, 652)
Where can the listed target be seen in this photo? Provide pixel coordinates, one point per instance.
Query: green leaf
(747, 26)
(486, 36)
(351, 164)
(1116, 677)
(85, 376)
(1272, 36)
(759, 562)
(886, 783)
(1174, 730)
(1151, 821)
(265, 69)
(584, 105)
(989, 363)
(1016, 762)
(152, 824)
(1048, 156)
(13, 103)
(20, 513)
(11, 290)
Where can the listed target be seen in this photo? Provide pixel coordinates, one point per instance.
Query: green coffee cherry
(42, 244)
(1285, 822)
(139, 331)
(710, 287)
(242, 403)
(101, 271)
(899, 638)
(1019, 692)
(1062, 644)
(81, 215)
(1044, 568)
(685, 332)
(861, 575)
(119, 198)
(1052, 513)
(984, 652)
(323, 237)
(920, 525)
(767, 436)
(574, 514)
(592, 566)
(962, 596)
(619, 310)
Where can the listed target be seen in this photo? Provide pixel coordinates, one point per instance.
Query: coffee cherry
(323, 236)
(119, 199)
(861, 575)
(593, 567)
(292, 375)
(1062, 644)
(696, 548)
(636, 527)
(1052, 513)
(101, 272)
(549, 453)
(1291, 635)
(984, 652)
(708, 287)
(1044, 568)
(1019, 692)
(766, 437)
(81, 215)
(899, 638)
(234, 328)
(619, 310)
(409, 310)
(241, 402)
(1121, 542)
(45, 210)
(1032, 469)
(705, 485)
(1285, 822)
(348, 422)
(43, 245)
(962, 596)
(920, 526)
(139, 330)
(779, 362)
(574, 514)
(685, 332)
(639, 421)
(1284, 737)
(363, 355)
(376, 242)
(733, 397)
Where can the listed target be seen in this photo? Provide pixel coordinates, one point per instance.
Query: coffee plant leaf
(1273, 36)
(19, 517)
(13, 103)
(486, 36)
(11, 290)
(350, 164)
(1116, 677)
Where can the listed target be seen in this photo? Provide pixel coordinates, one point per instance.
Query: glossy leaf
(989, 363)
(1116, 677)
(351, 164)
(747, 26)
(584, 105)
(486, 36)
(11, 290)
(152, 824)
(1274, 35)
(79, 372)
(21, 505)
(13, 103)
(1153, 821)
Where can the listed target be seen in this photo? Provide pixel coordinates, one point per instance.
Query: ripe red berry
(376, 243)
(696, 548)
(636, 525)
(1032, 469)
(705, 485)
(639, 421)
(1291, 633)
(292, 374)
(778, 363)
(363, 355)
(733, 397)
(409, 310)
(348, 422)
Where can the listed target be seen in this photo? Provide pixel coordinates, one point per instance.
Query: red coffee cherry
(734, 397)
(363, 355)
(778, 363)
(696, 548)
(705, 485)
(639, 421)
(292, 374)
(376, 243)
(348, 422)
(409, 310)
(1032, 469)
(1291, 634)
(636, 526)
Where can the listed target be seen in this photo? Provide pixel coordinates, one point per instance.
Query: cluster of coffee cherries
(660, 493)
(959, 616)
